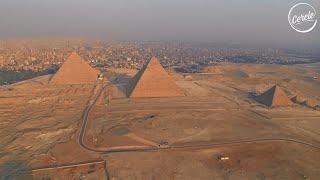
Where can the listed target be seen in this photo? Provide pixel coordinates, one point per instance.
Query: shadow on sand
(121, 82)
(15, 170)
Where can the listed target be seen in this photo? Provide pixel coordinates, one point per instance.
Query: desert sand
(216, 131)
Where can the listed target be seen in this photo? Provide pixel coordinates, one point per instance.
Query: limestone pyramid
(274, 97)
(75, 71)
(153, 81)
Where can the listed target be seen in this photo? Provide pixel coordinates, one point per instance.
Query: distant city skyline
(241, 21)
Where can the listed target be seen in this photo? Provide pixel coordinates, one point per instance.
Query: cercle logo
(302, 17)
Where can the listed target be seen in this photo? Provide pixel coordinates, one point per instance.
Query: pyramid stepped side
(75, 71)
(274, 97)
(153, 81)
(280, 98)
(133, 82)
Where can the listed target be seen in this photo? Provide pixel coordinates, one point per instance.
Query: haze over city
(236, 21)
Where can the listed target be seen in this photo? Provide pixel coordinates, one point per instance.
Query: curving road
(177, 147)
(85, 118)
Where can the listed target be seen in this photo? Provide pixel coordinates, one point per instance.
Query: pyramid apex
(274, 96)
(74, 55)
(154, 60)
(75, 71)
(153, 81)
(276, 86)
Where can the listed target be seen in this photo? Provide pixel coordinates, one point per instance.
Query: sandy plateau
(216, 131)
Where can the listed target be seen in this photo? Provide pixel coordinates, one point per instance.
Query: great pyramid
(153, 81)
(75, 71)
(274, 97)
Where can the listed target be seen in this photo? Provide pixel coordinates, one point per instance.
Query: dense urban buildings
(42, 54)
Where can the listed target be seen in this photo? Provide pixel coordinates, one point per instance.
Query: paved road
(208, 145)
(181, 147)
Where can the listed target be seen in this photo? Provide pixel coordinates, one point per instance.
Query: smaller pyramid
(298, 99)
(274, 97)
(153, 81)
(75, 71)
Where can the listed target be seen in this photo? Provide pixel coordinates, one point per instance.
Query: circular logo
(302, 17)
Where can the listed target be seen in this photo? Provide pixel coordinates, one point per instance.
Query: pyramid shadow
(16, 169)
(121, 83)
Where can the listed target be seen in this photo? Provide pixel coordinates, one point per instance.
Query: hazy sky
(243, 21)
